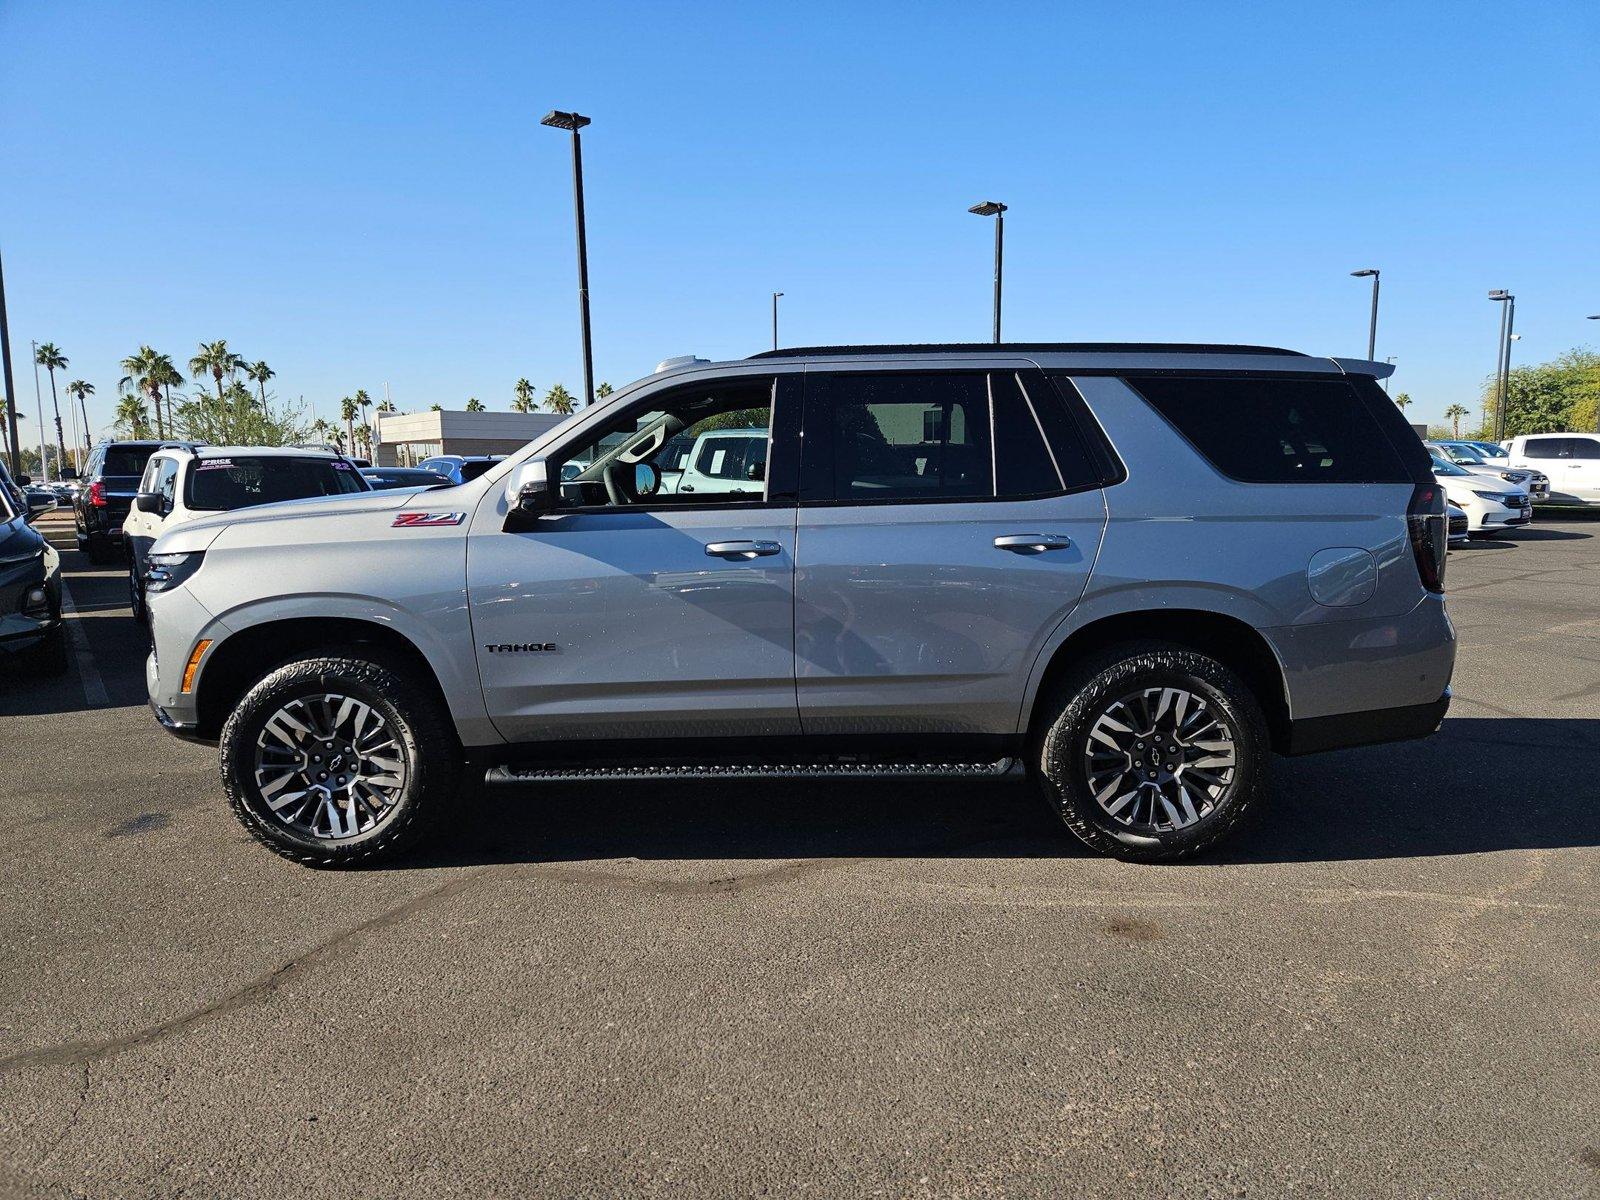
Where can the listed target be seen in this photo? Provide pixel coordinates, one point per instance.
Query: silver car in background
(1132, 571)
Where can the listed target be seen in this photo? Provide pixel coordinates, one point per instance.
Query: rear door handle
(1032, 543)
(742, 549)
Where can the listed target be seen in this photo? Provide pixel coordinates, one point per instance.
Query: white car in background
(1471, 457)
(1571, 459)
(185, 481)
(1492, 506)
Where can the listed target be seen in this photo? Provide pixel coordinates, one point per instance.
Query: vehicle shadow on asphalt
(1479, 785)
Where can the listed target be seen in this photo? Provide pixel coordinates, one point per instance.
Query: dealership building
(407, 438)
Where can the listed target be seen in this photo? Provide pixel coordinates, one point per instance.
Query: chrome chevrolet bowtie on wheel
(329, 766)
(1158, 759)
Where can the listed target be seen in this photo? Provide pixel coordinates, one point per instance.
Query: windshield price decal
(422, 520)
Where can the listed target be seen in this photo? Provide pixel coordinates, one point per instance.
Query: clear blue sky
(362, 194)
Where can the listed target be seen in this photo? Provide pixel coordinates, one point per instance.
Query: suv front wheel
(1152, 751)
(338, 761)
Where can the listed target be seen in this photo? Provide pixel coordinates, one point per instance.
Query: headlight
(163, 572)
(1512, 476)
(1493, 497)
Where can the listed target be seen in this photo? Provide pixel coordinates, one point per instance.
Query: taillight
(97, 494)
(1429, 531)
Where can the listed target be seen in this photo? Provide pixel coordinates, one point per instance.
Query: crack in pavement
(82, 1053)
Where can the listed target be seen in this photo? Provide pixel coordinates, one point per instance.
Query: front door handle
(1032, 543)
(742, 549)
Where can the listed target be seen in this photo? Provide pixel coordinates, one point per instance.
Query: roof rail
(1025, 348)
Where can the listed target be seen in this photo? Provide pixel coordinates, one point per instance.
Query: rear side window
(909, 436)
(1263, 430)
(1562, 447)
(223, 484)
(1022, 462)
(126, 460)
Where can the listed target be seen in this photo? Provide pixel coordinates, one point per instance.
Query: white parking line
(94, 688)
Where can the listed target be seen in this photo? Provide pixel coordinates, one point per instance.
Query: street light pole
(1596, 317)
(1372, 327)
(993, 208)
(13, 438)
(1502, 362)
(574, 122)
(775, 296)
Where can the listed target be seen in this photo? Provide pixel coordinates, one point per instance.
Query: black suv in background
(110, 479)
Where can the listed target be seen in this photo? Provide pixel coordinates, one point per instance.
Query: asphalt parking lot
(1388, 985)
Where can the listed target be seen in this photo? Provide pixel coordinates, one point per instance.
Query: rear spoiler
(1361, 366)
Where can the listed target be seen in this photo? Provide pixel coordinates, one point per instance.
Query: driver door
(634, 610)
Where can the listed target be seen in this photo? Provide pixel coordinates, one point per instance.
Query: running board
(626, 772)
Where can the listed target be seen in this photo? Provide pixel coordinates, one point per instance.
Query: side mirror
(24, 480)
(646, 479)
(757, 472)
(150, 502)
(528, 495)
(68, 473)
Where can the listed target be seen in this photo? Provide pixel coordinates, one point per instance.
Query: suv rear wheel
(1152, 751)
(338, 761)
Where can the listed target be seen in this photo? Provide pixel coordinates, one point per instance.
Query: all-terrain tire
(1068, 719)
(421, 728)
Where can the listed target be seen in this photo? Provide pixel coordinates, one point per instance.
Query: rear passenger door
(941, 537)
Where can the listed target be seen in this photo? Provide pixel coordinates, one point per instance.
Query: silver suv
(1129, 571)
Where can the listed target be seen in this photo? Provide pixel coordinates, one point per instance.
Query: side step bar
(625, 772)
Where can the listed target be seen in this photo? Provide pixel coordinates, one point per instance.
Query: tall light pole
(1508, 321)
(993, 208)
(1596, 317)
(1390, 361)
(1372, 326)
(12, 436)
(574, 122)
(775, 296)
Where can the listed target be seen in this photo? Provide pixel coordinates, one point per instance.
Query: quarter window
(1262, 430)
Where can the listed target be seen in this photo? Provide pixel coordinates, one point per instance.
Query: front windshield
(223, 484)
(1440, 467)
(1464, 454)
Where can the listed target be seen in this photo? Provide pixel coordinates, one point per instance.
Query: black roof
(1025, 348)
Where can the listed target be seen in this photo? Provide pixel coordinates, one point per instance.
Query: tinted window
(1562, 447)
(126, 460)
(219, 484)
(906, 436)
(1023, 464)
(1083, 455)
(1281, 430)
(471, 470)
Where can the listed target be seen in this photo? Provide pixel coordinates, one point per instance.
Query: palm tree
(167, 376)
(348, 408)
(435, 408)
(525, 400)
(364, 402)
(1453, 414)
(558, 400)
(259, 372)
(321, 430)
(80, 389)
(133, 418)
(475, 405)
(51, 359)
(604, 390)
(1403, 399)
(216, 358)
(144, 373)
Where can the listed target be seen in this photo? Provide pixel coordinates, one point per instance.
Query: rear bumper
(1317, 734)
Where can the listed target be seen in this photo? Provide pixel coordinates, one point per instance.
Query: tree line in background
(227, 411)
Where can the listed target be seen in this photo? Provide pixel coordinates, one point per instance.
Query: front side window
(222, 484)
(1264, 430)
(699, 445)
(167, 481)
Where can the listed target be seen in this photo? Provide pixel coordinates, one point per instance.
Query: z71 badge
(421, 520)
